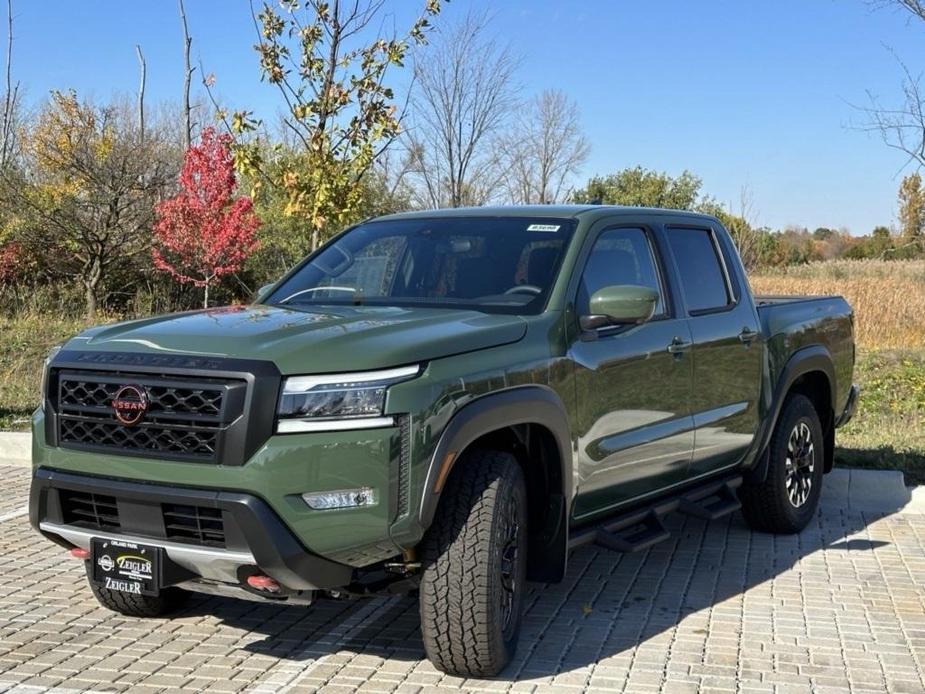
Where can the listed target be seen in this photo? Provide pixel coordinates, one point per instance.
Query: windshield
(496, 265)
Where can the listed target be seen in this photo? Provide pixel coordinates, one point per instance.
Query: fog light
(344, 498)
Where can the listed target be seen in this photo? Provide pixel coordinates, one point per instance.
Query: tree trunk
(205, 295)
(188, 73)
(93, 273)
(90, 299)
(141, 93)
(6, 147)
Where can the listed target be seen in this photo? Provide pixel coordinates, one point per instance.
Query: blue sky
(739, 92)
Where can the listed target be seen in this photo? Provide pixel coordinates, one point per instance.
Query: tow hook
(264, 583)
(407, 566)
(402, 568)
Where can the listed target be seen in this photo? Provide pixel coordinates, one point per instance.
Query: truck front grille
(196, 525)
(88, 510)
(193, 442)
(77, 392)
(183, 418)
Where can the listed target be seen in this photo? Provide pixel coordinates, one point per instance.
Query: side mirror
(622, 304)
(263, 292)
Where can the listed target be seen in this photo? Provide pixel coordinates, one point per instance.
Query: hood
(310, 340)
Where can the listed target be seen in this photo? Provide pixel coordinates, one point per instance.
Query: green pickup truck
(442, 402)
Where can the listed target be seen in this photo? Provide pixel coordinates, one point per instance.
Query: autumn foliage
(205, 232)
(12, 262)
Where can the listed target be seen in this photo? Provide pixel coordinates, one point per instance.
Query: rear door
(728, 352)
(635, 426)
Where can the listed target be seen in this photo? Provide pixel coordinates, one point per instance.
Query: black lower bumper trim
(850, 407)
(257, 527)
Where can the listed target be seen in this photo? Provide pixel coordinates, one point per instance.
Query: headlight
(45, 366)
(338, 401)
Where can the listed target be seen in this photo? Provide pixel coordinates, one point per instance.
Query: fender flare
(531, 404)
(488, 413)
(800, 363)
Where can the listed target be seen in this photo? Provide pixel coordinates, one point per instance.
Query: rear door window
(703, 279)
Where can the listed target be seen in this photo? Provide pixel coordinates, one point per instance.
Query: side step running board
(643, 527)
(642, 536)
(722, 503)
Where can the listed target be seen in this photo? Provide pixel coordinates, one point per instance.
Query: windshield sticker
(543, 227)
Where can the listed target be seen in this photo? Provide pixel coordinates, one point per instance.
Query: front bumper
(283, 468)
(211, 427)
(255, 539)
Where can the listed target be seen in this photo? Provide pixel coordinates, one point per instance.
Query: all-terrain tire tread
(460, 630)
(764, 506)
(129, 605)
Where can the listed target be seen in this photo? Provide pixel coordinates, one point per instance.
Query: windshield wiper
(352, 290)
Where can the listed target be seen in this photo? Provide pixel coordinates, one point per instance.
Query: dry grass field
(889, 303)
(888, 297)
(24, 341)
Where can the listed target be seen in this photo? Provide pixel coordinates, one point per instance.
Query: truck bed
(791, 323)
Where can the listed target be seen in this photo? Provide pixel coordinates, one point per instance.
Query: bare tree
(902, 127)
(740, 223)
(11, 96)
(741, 226)
(392, 171)
(141, 93)
(544, 150)
(187, 77)
(463, 96)
(915, 7)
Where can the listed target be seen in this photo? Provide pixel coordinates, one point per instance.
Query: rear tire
(474, 558)
(169, 600)
(787, 499)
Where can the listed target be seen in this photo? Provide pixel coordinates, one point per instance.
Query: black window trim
(728, 256)
(668, 301)
(732, 297)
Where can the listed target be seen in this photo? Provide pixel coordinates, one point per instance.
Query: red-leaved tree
(205, 232)
(14, 263)
(10, 259)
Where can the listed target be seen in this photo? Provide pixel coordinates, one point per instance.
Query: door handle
(678, 346)
(747, 336)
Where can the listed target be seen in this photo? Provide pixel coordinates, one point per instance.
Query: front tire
(787, 499)
(474, 558)
(169, 600)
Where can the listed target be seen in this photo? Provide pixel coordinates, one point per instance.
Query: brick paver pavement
(839, 607)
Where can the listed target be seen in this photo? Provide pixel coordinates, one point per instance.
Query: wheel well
(535, 448)
(816, 387)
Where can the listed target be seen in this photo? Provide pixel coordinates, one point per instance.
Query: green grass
(24, 342)
(888, 431)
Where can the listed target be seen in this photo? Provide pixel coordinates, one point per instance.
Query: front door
(635, 425)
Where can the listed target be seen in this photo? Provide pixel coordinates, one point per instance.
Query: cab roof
(550, 211)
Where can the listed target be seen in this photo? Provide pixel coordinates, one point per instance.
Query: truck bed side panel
(792, 323)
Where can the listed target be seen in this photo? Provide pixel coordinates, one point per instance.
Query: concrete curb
(871, 491)
(15, 448)
(917, 500)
